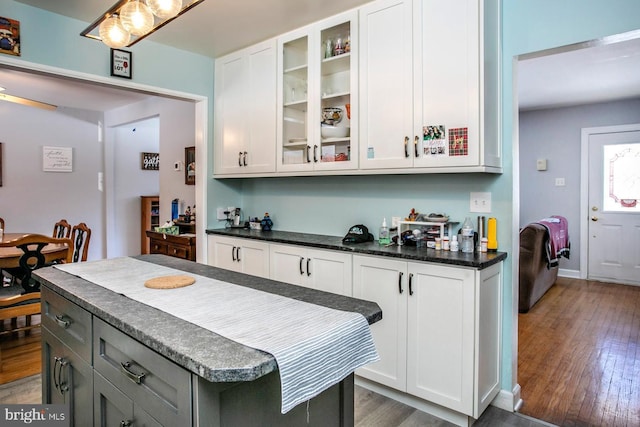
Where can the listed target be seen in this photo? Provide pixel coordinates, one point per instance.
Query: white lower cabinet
(439, 338)
(328, 271)
(241, 255)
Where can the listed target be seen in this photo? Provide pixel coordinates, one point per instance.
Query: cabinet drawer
(178, 251)
(155, 384)
(69, 322)
(158, 247)
(114, 408)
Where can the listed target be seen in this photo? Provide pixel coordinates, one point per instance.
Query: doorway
(611, 170)
(538, 187)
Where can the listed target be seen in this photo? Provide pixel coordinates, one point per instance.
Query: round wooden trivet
(169, 282)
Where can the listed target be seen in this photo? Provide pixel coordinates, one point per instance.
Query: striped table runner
(314, 346)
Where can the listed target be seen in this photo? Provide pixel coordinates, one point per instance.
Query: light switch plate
(220, 215)
(480, 202)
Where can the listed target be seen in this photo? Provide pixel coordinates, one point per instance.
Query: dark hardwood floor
(579, 355)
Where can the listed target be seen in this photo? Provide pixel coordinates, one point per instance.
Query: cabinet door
(221, 252)
(386, 85)
(66, 379)
(447, 80)
(242, 255)
(114, 408)
(384, 281)
(441, 314)
(253, 257)
(245, 110)
(329, 271)
(288, 264)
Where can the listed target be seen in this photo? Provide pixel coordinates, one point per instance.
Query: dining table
(10, 255)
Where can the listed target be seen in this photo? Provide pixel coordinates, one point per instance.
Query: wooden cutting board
(169, 282)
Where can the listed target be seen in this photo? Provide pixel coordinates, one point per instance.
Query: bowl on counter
(334, 131)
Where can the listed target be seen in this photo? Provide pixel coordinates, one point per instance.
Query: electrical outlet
(220, 215)
(395, 220)
(480, 202)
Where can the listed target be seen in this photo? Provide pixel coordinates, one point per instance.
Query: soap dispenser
(383, 236)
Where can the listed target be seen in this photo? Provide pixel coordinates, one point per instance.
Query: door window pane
(621, 178)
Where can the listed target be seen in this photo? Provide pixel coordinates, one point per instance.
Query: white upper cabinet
(245, 111)
(429, 86)
(318, 82)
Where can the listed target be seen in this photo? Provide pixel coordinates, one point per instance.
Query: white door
(614, 205)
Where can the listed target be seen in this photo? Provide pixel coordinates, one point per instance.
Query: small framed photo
(9, 36)
(190, 166)
(121, 63)
(150, 161)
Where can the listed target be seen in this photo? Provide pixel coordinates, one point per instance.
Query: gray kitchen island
(117, 361)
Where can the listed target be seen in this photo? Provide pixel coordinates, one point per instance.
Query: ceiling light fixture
(129, 21)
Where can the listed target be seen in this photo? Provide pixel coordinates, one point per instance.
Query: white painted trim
(201, 134)
(508, 401)
(584, 186)
(571, 274)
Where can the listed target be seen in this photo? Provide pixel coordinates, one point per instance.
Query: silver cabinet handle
(57, 375)
(240, 159)
(406, 146)
(136, 378)
(410, 283)
(244, 158)
(60, 320)
(415, 146)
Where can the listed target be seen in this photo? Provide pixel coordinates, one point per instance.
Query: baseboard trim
(571, 274)
(508, 400)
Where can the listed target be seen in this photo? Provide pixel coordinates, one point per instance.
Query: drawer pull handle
(57, 375)
(308, 271)
(400, 282)
(415, 146)
(406, 148)
(301, 272)
(125, 423)
(136, 378)
(244, 159)
(60, 320)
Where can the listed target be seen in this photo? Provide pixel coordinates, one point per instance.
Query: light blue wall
(534, 25)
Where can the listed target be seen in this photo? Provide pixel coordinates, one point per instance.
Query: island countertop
(474, 260)
(209, 355)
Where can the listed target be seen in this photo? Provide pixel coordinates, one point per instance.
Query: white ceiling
(591, 72)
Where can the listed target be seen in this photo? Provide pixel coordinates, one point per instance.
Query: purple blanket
(558, 243)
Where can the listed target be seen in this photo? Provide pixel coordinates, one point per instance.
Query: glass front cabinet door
(317, 70)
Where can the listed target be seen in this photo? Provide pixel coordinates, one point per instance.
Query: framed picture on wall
(190, 165)
(150, 161)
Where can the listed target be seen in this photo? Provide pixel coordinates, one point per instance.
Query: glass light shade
(136, 17)
(113, 34)
(165, 9)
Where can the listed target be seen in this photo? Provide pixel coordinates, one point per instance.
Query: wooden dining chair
(25, 301)
(62, 229)
(80, 235)
(36, 253)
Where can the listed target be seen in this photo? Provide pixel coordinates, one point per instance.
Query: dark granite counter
(475, 260)
(198, 350)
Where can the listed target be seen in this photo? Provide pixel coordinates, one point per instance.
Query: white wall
(131, 182)
(176, 130)
(554, 134)
(32, 200)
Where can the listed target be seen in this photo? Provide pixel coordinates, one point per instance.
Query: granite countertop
(211, 356)
(475, 260)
